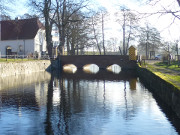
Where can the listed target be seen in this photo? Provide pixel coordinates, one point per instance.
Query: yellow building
(132, 53)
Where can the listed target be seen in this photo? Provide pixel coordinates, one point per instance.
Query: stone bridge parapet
(102, 61)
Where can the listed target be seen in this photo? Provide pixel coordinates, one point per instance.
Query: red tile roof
(20, 29)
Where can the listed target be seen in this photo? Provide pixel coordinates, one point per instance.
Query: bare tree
(128, 20)
(48, 24)
(103, 13)
(45, 9)
(98, 21)
(77, 34)
(5, 17)
(95, 32)
(149, 40)
(177, 48)
(65, 9)
(173, 8)
(5, 8)
(112, 45)
(170, 47)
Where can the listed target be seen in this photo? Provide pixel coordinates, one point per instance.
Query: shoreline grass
(172, 66)
(15, 60)
(169, 73)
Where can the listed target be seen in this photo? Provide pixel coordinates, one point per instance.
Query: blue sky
(20, 6)
(160, 22)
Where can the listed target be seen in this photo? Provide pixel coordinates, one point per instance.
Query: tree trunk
(128, 40)
(72, 48)
(129, 36)
(62, 40)
(147, 41)
(68, 46)
(103, 34)
(178, 2)
(95, 36)
(77, 50)
(120, 50)
(48, 27)
(124, 25)
(62, 32)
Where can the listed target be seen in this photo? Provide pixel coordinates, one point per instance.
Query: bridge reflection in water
(106, 102)
(82, 103)
(92, 72)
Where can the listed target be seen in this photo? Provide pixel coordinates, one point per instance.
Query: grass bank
(169, 73)
(172, 66)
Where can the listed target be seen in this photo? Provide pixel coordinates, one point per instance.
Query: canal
(80, 103)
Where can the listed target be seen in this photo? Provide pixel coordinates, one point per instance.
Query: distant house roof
(20, 29)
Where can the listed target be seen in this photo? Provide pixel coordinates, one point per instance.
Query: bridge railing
(95, 53)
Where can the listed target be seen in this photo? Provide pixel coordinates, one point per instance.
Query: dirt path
(169, 75)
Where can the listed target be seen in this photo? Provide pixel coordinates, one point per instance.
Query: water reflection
(72, 104)
(23, 103)
(23, 80)
(116, 107)
(132, 83)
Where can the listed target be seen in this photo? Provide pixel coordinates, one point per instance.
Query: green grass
(172, 79)
(172, 66)
(162, 70)
(14, 60)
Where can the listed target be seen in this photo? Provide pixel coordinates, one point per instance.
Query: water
(82, 104)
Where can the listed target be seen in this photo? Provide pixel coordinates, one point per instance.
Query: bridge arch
(69, 68)
(91, 68)
(115, 68)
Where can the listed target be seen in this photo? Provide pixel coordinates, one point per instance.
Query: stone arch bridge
(102, 61)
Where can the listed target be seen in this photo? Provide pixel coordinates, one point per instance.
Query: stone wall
(164, 90)
(26, 67)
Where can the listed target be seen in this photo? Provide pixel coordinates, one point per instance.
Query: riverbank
(169, 73)
(163, 82)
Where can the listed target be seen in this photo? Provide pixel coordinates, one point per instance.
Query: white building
(22, 37)
(55, 37)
